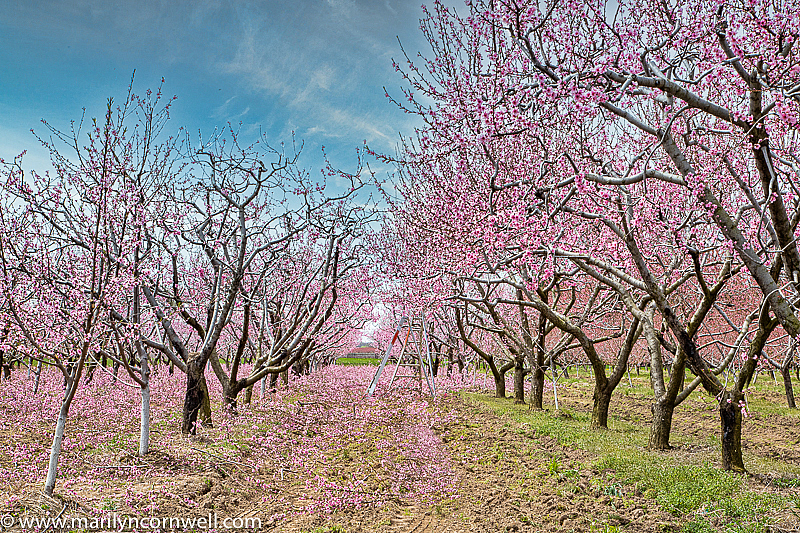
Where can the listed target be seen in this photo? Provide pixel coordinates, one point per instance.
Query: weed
(787, 482)
(615, 489)
(553, 466)
(497, 453)
(109, 504)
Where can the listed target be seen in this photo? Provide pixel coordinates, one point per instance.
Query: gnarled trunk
(662, 424)
(730, 411)
(196, 402)
(499, 375)
(229, 396)
(602, 401)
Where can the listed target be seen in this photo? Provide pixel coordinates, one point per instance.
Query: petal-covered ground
(319, 456)
(315, 446)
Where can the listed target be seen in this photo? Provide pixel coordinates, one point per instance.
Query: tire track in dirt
(424, 525)
(403, 518)
(410, 519)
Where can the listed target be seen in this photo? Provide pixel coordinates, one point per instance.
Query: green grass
(692, 489)
(356, 361)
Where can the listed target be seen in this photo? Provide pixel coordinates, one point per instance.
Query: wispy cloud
(329, 77)
(314, 67)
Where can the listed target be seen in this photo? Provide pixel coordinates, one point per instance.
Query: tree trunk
(787, 385)
(205, 408)
(519, 380)
(144, 436)
(38, 377)
(230, 395)
(537, 365)
(58, 437)
(196, 396)
(730, 412)
(90, 373)
(5, 372)
(537, 386)
(602, 400)
(499, 385)
(55, 450)
(662, 424)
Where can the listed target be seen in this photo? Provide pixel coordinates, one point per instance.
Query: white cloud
(325, 74)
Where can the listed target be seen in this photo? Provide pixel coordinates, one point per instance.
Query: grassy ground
(686, 481)
(356, 361)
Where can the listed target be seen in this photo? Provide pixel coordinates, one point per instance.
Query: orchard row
(596, 183)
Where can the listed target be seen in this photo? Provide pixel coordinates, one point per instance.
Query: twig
(52, 522)
(221, 459)
(122, 466)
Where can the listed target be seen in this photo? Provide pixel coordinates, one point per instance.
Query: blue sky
(315, 67)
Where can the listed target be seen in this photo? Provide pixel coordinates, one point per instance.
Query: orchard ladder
(415, 356)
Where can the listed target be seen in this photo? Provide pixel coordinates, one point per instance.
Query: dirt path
(510, 480)
(514, 480)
